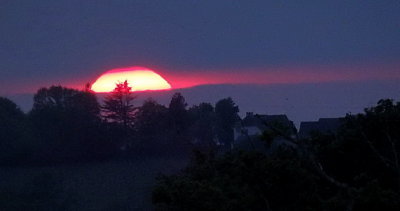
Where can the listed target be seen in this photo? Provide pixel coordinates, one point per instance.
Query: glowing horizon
(186, 78)
(139, 78)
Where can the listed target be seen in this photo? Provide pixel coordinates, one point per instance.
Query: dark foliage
(239, 181)
(226, 116)
(364, 155)
(118, 107)
(152, 127)
(178, 113)
(203, 125)
(66, 124)
(356, 169)
(13, 132)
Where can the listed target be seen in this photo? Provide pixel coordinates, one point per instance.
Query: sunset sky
(197, 42)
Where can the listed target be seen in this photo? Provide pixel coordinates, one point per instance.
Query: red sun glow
(139, 78)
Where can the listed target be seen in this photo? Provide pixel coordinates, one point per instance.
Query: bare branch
(394, 151)
(384, 160)
(311, 158)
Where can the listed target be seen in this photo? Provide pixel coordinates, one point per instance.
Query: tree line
(68, 125)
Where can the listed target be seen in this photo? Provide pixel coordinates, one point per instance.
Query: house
(322, 126)
(252, 126)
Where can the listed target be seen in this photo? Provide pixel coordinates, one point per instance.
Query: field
(113, 185)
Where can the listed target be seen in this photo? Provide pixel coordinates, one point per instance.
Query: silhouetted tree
(151, 117)
(367, 148)
(178, 113)
(65, 99)
(65, 121)
(203, 124)
(360, 161)
(118, 106)
(13, 129)
(11, 117)
(152, 126)
(227, 115)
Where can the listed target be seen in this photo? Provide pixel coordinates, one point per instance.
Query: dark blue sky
(66, 40)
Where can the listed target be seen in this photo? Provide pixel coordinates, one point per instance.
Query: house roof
(323, 125)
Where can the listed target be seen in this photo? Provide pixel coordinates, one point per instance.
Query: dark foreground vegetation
(70, 152)
(356, 169)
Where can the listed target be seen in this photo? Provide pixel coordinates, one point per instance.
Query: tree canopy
(118, 106)
(355, 169)
(178, 113)
(227, 114)
(65, 121)
(12, 129)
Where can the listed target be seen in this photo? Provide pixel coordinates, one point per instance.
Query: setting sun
(139, 78)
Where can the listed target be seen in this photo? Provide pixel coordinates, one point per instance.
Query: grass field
(112, 185)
